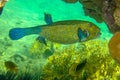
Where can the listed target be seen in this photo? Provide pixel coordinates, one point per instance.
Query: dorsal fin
(48, 18)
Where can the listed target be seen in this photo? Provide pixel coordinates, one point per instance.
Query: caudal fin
(17, 33)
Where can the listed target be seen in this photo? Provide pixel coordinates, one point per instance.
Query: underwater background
(88, 60)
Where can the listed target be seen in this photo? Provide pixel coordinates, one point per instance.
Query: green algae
(99, 63)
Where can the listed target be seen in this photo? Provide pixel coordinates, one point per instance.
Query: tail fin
(17, 33)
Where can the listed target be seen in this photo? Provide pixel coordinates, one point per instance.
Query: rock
(93, 8)
(114, 47)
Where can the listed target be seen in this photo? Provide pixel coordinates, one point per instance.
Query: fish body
(67, 31)
(64, 32)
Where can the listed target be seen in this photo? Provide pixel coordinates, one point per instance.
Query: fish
(63, 32)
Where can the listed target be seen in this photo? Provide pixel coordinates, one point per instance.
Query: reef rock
(104, 11)
(117, 13)
(114, 47)
(93, 8)
(108, 11)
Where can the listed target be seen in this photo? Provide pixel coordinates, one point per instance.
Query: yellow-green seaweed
(99, 63)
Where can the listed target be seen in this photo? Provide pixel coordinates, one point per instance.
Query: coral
(117, 16)
(66, 64)
(117, 3)
(107, 11)
(110, 15)
(114, 46)
(81, 61)
(58, 65)
(76, 68)
(39, 48)
(117, 13)
(57, 68)
(93, 8)
(11, 66)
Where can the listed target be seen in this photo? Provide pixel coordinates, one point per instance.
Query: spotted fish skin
(66, 32)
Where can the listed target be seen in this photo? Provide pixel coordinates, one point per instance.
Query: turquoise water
(29, 13)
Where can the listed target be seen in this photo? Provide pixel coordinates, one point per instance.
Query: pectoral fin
(82, 35)
(41, 39)
(86, 33)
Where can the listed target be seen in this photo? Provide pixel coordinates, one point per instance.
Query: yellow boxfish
(64, 32)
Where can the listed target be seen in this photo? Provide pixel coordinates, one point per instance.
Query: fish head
(92, 30)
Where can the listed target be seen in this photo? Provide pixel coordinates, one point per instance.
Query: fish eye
(86, 32)
(90, 25)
